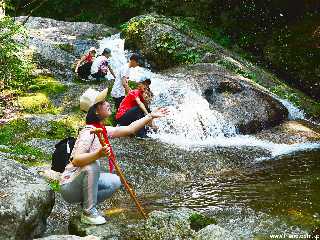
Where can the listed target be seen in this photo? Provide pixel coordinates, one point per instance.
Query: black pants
(84, 70)
(117, 102)
(132, 115)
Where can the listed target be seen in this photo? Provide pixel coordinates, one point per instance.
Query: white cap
(91, 97)
(92, 49)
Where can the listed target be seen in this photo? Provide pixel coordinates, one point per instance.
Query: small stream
(277, 194)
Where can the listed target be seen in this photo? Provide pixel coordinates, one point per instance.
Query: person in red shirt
(135, 106)
(84, 64)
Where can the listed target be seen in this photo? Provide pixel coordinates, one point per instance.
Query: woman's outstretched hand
(159, 112)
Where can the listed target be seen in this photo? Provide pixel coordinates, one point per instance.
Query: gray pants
(90, 187)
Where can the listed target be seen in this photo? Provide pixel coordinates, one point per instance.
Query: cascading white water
(191, 122)
(191, 118)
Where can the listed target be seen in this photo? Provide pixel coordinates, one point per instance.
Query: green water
(269, 197)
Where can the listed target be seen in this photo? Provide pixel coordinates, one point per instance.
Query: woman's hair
(92, 116)
(147, 95)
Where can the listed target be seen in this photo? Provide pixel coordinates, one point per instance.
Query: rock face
(180, 224)
(164, 225)
(26, 202)
(214, 232)
(69, 237)
(106, 231)
(292, 132)
(57, 44)
(247, 106)
(165, 42)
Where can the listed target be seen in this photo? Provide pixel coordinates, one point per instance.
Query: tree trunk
(2, 7)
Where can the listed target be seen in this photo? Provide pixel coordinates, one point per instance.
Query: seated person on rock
(83, 67)
(135, 106)
(83, 180)
(100, 66)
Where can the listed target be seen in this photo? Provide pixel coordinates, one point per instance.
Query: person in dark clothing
(83, 66)
(135, 106)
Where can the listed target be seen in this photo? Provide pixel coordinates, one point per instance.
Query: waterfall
(191, 122)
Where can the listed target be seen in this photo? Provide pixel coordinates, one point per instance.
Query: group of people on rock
(92, 67)
(83, 180)
(130, 104)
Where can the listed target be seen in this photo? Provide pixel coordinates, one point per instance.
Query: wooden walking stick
(112, 158)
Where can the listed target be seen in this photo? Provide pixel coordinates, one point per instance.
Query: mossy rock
(199, 221)
(165, 41)
(47, 85)
(66, 47)
(37, 103)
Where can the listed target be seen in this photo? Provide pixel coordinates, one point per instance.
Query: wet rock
(69, 237)
(175, 224)
(154, 167)
(228, 86)
(163, 225)
(106, 231)
(214, 232)
(245, 105)
(57, 222)
(26, 202)
(291, 132)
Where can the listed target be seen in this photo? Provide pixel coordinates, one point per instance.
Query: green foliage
(294, 51)
(47, 85)
(55, 186)
(199, 221)
(19, 131)
(299, 99)
(28, 155)
(133, 84)
(61, 129)
(9, 131)
(37, 103)
(14, 135)
(221, 37)
(14, 65)
(242, 71)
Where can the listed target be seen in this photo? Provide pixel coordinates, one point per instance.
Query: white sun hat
(91, 97)
(92, 49)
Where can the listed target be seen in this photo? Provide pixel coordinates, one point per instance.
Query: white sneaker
(93, 218)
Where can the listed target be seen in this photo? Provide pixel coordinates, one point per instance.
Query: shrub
(14, 65)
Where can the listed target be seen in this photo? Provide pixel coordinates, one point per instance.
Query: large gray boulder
(246, 105)
(167, 42)
(26, 202)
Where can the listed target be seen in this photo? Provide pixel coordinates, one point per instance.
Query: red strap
(105, 136)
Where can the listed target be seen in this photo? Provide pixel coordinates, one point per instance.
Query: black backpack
(61, 155)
